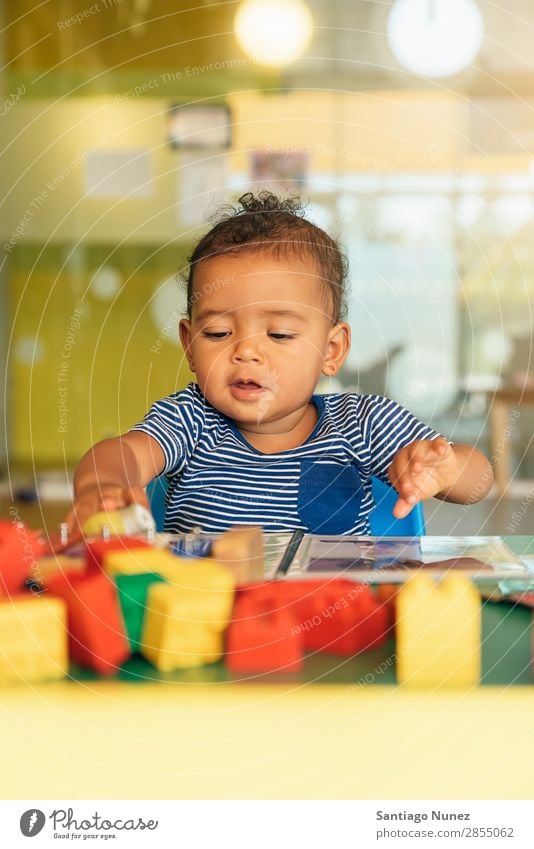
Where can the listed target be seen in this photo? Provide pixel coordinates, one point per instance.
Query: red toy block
(97, 549)
(97, 638)
(262, 638)
(20, 549)
(341, 618)
(334, 616)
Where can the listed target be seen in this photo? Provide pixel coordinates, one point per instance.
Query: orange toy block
(185, 619)
(33, 639)
(20, 549)
(97, 638)
(241, 551)
(386, 596)
(263, 638)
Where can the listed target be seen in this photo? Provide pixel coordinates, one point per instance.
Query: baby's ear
(337, 349)
(184, 330)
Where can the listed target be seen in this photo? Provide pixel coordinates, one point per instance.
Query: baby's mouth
(247, 384)
(247, 390)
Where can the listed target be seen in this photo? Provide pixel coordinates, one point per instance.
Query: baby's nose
(247, 348)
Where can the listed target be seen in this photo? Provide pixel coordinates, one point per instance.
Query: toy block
(159, 561)
(48, 566)
(134, 519)
(262, 638)
(386, 596)
(241, 551)
(20, 549)
(185, 572)
(98, 549)
(96, 631)
(344, 619)
(202, 591)
(33, 639)
(438, 632)
(334, 616)
(171, 644)
(132, 591)
(122, 561)
(184, 621)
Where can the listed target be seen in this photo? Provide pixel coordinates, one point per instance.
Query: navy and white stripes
(217, 480)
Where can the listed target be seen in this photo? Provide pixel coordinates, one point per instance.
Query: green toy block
(132, 591)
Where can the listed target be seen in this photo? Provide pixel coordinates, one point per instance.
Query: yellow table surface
(109, 739)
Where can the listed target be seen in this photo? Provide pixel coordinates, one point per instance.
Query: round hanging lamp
(273, 32)
(435, 38)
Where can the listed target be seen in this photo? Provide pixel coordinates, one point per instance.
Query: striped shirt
(217, 479)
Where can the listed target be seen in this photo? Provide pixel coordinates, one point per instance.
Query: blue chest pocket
(330, 496)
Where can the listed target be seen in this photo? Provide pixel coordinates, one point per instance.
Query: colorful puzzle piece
(33, 639)
(96, 631)
(438, 632)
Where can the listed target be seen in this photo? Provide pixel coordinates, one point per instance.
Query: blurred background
(408, 127)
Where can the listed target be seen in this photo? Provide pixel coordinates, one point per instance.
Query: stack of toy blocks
(128, 596)
(175, 609)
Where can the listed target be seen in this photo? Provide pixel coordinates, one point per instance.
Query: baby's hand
(106, 497)
(421, 470)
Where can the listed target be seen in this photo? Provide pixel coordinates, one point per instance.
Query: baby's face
(259, 337)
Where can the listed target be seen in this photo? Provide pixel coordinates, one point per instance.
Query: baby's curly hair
(264, 222)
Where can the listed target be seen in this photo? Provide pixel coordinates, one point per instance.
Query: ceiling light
(273, 32)
(435, 38)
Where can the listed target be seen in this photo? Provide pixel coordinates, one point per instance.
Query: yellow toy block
(185, 572)
(184, 622)
(439, 632)
(140, 560)
(172, 644)
(241, 551)
(33, 639)
(131, 520)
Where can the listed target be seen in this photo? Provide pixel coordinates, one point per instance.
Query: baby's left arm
(432, 467)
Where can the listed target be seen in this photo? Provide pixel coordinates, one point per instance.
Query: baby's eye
(216, 334)
(279, 336)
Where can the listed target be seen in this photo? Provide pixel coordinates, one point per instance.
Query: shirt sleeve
(386, 428)
(174, 423)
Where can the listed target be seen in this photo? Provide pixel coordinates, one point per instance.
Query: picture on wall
(205, 126)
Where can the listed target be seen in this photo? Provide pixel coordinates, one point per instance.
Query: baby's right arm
(113, 475)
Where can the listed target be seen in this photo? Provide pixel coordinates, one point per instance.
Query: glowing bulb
(273, 32)
(435, 38)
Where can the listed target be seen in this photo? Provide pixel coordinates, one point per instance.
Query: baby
(249, 442)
